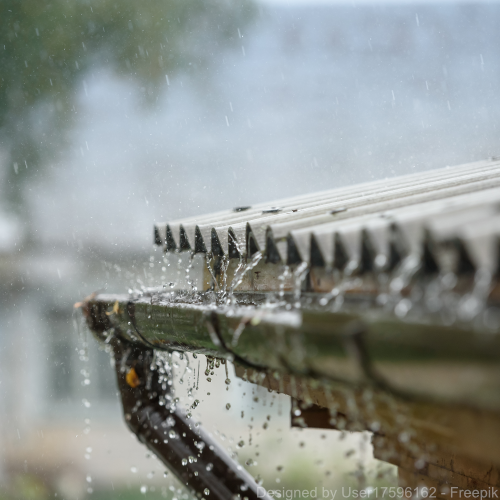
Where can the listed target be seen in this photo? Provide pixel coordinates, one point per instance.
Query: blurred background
(114, 115)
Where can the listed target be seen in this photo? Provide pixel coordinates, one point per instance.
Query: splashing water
(298, 278)
(241, 270)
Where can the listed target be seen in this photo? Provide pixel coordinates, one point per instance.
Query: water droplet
(404, 437)
(420, 463)
(192, 459)
(200, 445)
(165, 474)
(86, 403)
(144, 489)
(209, 467)
(184, 461)
(133, 469)
(402, 308)
(89, 479)
(206, 491)
(241, 444)
(228, 406)
(172, 434)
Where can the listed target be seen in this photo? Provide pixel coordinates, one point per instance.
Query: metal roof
(363, 227)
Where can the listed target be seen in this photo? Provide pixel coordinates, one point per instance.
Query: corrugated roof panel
(306, 206)
(368, 227)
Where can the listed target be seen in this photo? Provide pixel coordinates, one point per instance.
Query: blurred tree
(47, 46)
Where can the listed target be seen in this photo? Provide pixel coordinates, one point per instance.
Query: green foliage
(47, 46)
(26, 487)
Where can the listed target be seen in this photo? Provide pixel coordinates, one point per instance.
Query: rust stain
(83, 303)
(132, 378)
(115, 310)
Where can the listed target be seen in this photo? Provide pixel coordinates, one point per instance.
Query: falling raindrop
(404, 437)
